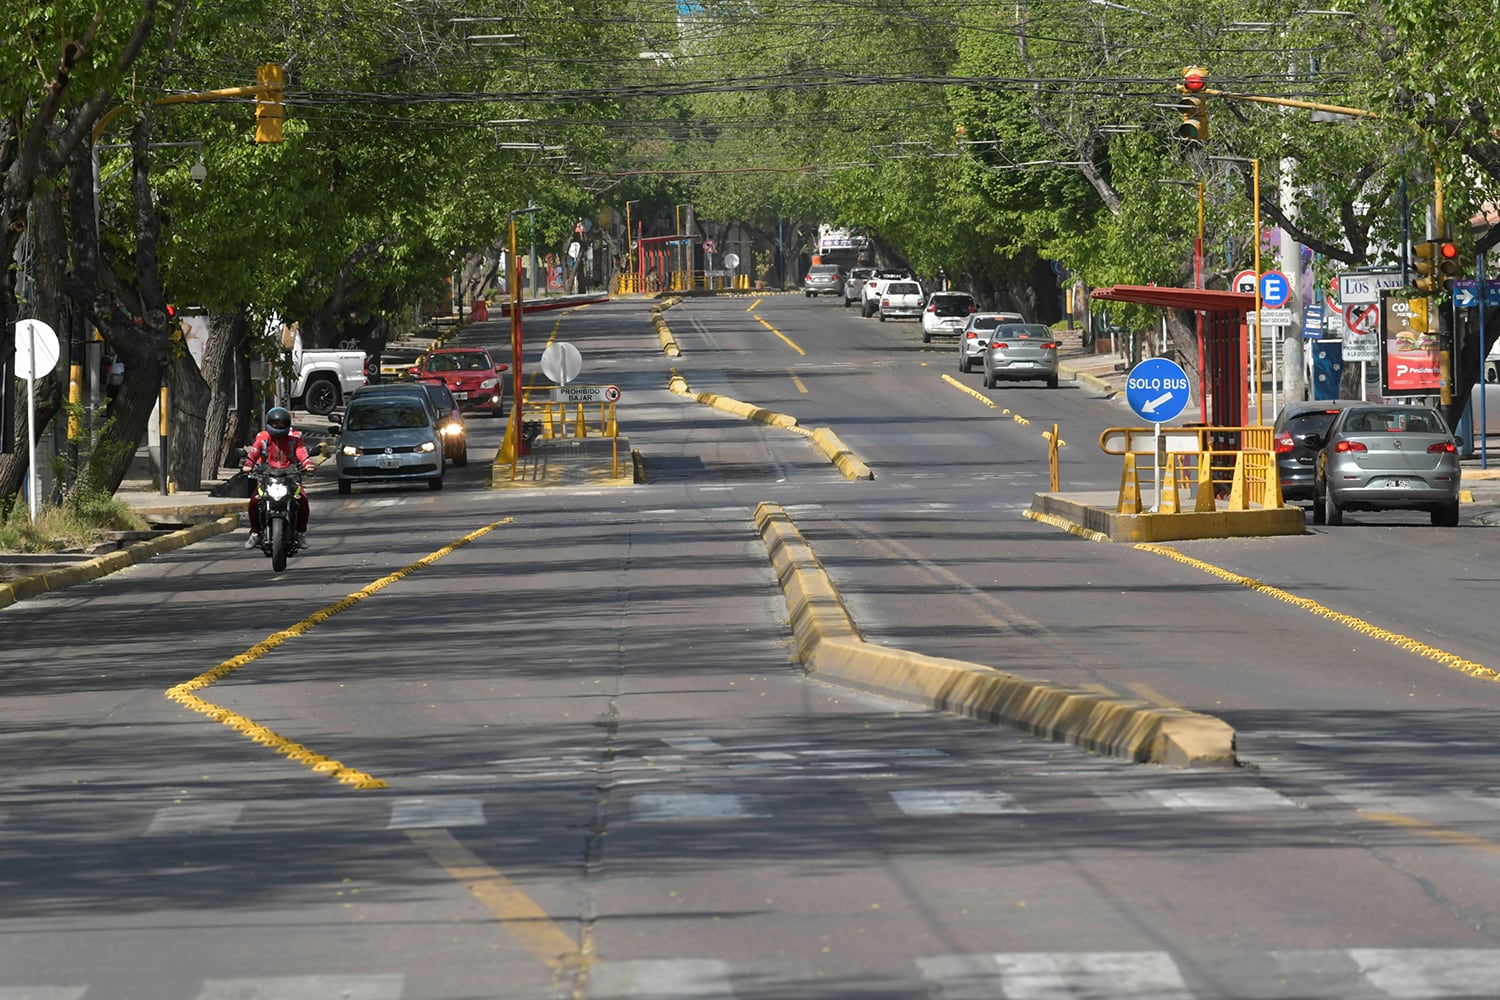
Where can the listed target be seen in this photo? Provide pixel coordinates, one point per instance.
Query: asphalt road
(554, 743)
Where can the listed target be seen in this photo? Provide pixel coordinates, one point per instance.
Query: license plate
(387, 462)
(1398, 484)
(460, 395)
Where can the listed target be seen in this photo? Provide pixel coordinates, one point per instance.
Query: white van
(1491, 396)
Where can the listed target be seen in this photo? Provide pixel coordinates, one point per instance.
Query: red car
(469, 373)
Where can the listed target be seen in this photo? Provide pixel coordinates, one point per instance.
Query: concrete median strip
(831, 647)
(26, 587)
(823, 438)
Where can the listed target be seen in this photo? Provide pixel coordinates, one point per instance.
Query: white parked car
(945, 314)
(901, 300)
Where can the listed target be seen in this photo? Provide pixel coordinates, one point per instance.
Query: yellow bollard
(1238, 500)
(1169, 503)
(580, 429)
(1204, 504)
(1130, 489)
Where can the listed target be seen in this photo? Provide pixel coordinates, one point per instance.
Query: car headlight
(427, 446)
(350, 451)
(489, 383)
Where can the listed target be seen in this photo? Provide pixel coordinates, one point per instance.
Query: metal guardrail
(1195, 468)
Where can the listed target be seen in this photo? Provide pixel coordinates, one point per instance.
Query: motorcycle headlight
(452, 430)
(427, 446)
(277, 490)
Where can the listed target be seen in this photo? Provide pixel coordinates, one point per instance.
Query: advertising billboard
(1410, 348)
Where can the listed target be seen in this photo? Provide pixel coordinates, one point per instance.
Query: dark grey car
(1386, 457)
(823, 279)
(1296, 459)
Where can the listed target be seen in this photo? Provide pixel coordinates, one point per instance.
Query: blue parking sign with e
(1157, 389)
(1275, 289)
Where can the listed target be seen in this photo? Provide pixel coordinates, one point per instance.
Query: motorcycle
(276, 495)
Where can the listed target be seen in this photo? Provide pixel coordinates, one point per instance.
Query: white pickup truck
(901, 300)
(325, 377)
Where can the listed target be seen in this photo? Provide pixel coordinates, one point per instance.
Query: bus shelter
(1223, 343)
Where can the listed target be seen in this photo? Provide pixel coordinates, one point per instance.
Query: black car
(1296, 460)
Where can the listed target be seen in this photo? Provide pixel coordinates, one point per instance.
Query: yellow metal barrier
(1233, 464)
(566, 413)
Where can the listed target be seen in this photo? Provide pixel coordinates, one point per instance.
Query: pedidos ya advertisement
(1411, 350)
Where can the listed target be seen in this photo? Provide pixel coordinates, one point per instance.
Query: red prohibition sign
(1362, 318)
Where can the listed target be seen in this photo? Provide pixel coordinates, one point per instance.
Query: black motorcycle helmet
(278, 421)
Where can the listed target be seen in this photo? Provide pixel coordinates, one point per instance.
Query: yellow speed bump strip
(830, 646)
(183, 693)
(1449, 660)
(987, 401)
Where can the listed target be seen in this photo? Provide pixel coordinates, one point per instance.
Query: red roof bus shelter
(1223, 343)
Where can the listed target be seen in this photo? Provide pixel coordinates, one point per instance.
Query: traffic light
(1194, 107)
(1447, 264)
(1425, 262)
(269, 109)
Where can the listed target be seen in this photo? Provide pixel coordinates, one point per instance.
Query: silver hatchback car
(1021, 351)
(974, 340)
(389, 438)
(1384, 457)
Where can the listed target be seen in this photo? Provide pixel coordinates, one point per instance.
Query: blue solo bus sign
(1157, 390)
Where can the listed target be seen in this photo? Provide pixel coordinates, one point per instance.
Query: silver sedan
(1384, 457)
(1021, 351)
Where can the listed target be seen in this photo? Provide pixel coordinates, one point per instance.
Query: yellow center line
(753, 305)
(1455, 837)
(797, 381)
(1450, 660)
(783, 336)
(518, 914)
(184, 694)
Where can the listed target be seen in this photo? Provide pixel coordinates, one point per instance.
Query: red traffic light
(1448, 251)
(1194, 79)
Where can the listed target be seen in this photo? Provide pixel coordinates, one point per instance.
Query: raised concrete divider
(58, 579)
(831, 647)
(823, 438)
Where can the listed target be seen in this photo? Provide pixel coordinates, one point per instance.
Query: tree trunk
(226, 370)
(188, 400)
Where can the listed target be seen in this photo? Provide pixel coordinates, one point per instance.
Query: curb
(830, 646)
(823, 438)
(26, 587)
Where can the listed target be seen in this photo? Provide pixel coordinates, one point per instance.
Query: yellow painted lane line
(797, 382)
(753, 305)
(518, 914)
(1449, 660)
(1455, 837)
(184, 694)
(783, 336)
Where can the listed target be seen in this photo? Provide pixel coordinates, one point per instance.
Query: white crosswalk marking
(665, 808)
(1230, 799)
(1104, 975)
(205, 817)
(1430, 973)
(954, 802)
(412, 814)
(673, 979)
(330, 987)
(42, 992)
(695, 744)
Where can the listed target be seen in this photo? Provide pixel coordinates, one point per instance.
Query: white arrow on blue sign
(1157, 389)
(1465, 293)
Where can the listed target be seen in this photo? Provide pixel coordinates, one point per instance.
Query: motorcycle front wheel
(278, 544)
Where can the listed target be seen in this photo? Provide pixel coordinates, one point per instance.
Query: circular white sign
(611, 394)
(37, 349)
(731, 260)
(561, 363)
(1244, 282)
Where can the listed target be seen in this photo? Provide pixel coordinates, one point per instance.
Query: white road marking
(687, 806)
(42, 992)
(1399, 973)
(954, 802)
(420, 814)
(331, 987)
(698, 744)
(205, 817)
(1056, 976)
(1246, 799)
(662, 979)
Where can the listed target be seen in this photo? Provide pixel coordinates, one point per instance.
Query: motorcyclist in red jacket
(281, 448)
